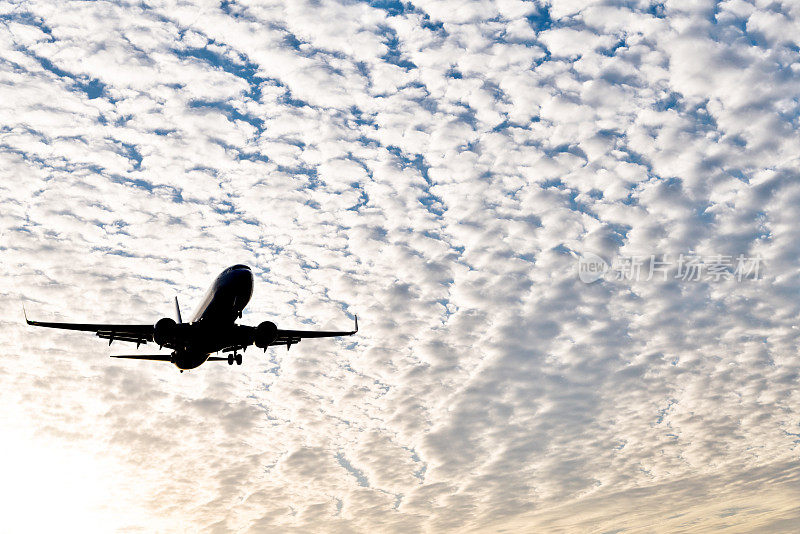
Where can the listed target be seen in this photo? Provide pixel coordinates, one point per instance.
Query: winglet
(356, 330)
(25, 314)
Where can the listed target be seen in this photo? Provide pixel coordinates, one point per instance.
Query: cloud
(437, 169)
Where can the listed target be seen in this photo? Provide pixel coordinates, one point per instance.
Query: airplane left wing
(290, 337)
(134, 333)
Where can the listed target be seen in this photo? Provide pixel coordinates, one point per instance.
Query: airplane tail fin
(178, 311)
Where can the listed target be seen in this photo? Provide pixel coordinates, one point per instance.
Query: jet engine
(164, 332)
(265, 334)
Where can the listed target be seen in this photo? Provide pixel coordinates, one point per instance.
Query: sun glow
(47, 487)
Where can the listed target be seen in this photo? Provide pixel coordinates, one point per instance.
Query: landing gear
(230, 359)
(238, 358)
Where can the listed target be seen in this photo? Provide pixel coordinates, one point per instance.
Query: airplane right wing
(290, 337)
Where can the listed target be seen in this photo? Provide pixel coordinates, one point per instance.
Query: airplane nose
(244, 278)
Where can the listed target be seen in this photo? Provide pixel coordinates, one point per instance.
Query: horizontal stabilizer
(154, 357)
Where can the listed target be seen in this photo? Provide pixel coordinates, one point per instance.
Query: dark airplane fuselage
(226, 298)
(212, 325)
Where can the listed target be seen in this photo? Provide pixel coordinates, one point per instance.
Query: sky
(568, 229)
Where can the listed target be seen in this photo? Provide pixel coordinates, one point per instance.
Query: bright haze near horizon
(436, 168)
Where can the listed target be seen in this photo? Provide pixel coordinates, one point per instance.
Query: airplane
(212, 328)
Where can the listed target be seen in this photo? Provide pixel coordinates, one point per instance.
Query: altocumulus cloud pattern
(436, 167)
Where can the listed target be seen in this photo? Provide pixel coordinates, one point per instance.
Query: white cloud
(435, 168)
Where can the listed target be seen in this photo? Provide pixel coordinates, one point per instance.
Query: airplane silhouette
(212, 329)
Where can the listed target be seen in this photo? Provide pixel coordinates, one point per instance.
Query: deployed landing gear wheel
(238, 358)
(230, 359)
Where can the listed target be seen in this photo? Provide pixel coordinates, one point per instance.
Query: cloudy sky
(438, 168)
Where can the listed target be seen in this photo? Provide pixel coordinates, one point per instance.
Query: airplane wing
(154, 357)
(134, 333)
(290, 337)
